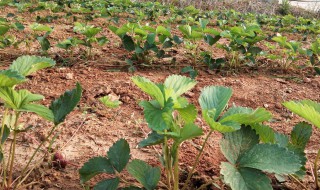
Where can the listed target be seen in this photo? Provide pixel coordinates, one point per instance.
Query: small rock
(114, 97)
(278, 105)
(316, 83)
(281, 81)
(265, 105)
(84, 71)
(288, 90)
(189, 94)
(69, 76)
(126, 99)
(306, 80)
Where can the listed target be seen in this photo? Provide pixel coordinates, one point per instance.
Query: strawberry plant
(37, 30)
(213, 101)
(314, 55)
(90, 33)
(18, 102)
(145, 41)
(6, 39)
(248, 159)
(289, 55)
(4, 28)
(192, 36)
(242, 46)
(69, 44)
(310, 111)
(110, 102)
(114, 163)
(171, 117)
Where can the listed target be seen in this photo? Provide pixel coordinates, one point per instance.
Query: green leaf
(177, 40)
(157, 117)
(317, 69)
(95, 166)
(41, 110)
(128, 43)
(149, 87)
(190, 131)
(281, 139)
(26, 64)
(244, 178)
(18, 26)
(246, 116)
(234, 144)
(44, 43)
(140, 32)
(188, 113)
(113, 28)
(283, 42)
(167, 44)
(208, 116)
(6, 133)
(109, 184)
(153, 139)
(148, 176)
(119, 154)
(266, 133)
(215, 98)
(270, 158)
(106, 100)
(9, 78)
(62, 106)
(300, 135)
(132, 188)
(203, 23)
(189, 69)
(151, 38)
(211, 40)
(102, 40)
(307, 109)
(91, 32)
(4, 29)
(180, 84)
(254, 50)
(40, 27)
(66, 44)
(212, 31)
(196, 35)
(186, 30)
(163, 31)
(17, 99)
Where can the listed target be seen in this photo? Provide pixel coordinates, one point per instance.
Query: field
(105, 46)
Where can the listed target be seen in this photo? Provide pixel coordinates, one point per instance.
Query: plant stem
(176, 170)
(166, 162)
(17, 114)
(208, 183)
(36, 151)
(297, 180)
(196, 161)
(4, 171)
(315, 170)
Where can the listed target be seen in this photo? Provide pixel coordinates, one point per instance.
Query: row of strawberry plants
(242, 47)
